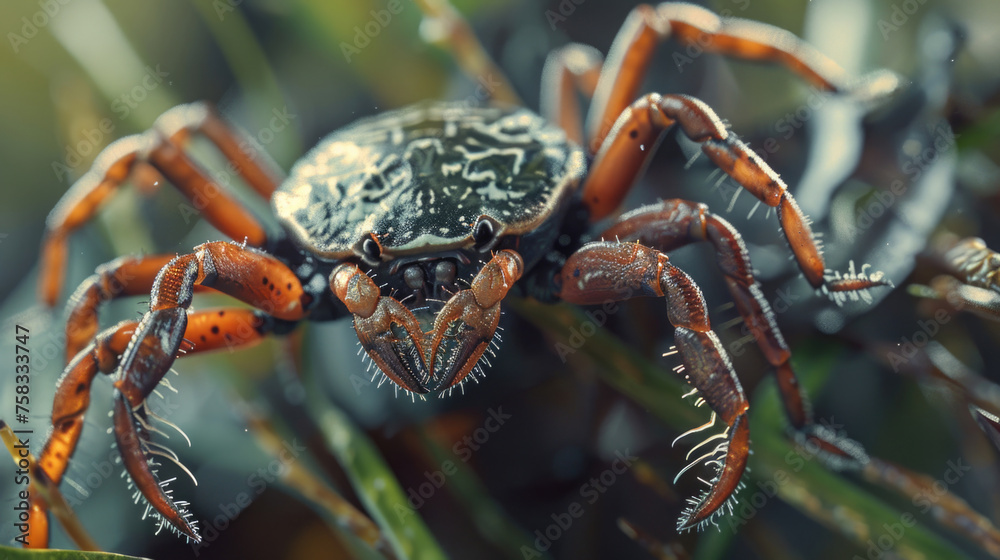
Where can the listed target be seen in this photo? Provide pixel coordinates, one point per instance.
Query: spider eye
(483, 232)
(370, 248)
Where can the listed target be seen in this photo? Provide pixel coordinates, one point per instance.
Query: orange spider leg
(616, 271)
(161, 148)
(124, 276)
(71, 402)
(568, 70)
(249, 276)
(207, 330)
(671, 224)
(646, 27)
(252, 277)
(631, 143)
(444, 26)
(182, 122)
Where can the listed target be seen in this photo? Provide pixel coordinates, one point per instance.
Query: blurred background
(78, 74)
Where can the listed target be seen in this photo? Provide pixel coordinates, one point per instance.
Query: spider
(417, 223)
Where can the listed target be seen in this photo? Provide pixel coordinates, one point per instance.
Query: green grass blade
(488, 517)
(8, 553)
(377, 487)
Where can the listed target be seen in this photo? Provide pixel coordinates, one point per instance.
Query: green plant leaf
(8, 553)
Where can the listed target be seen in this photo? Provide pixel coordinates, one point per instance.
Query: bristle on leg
(853, 285)
(137, 452)
(728, 459)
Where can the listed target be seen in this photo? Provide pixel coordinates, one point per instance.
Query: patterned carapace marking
(420, 177)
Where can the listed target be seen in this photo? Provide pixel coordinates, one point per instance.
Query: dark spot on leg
(289, 286)
(81, 388)
(633, 133)
(229, 337)
(278, 293)
(271, 287)
(265, 281)
(221, 313)
(215, 329)
(576, 272)
(203, 339)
